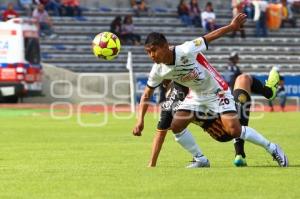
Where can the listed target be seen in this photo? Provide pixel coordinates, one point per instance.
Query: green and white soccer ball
(106, 45)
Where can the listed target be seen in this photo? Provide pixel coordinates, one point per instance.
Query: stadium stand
(72, 48)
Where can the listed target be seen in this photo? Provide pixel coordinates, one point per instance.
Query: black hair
(209, 4)
(126, 18)
(155, 38)
(117, 20)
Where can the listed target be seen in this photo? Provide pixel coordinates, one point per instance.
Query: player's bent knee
(245, 78)
(176, 128)
(234, 131)
(219, 134)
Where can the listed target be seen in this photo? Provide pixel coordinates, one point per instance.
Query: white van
(20, 68)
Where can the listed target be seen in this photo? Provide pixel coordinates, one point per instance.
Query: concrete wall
(65, 86)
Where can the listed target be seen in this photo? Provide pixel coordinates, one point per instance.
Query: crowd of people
(125, 30)
(38, 9)
(260, 11)
(189, 12)
(57, 7)
(267, 15)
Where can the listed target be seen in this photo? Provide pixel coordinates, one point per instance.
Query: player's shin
(243, 104)
(239, 147)
(187, 141)
(251, 135)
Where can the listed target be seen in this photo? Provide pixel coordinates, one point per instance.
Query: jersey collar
(174, 57)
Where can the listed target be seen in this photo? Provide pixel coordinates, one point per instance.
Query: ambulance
(20, 67)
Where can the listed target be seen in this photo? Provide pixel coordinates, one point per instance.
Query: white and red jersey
(190, 69)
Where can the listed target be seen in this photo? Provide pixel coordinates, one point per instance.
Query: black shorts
(201, 119)
(169, 107)
(165, 120)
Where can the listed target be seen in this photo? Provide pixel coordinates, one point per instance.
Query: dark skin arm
(235, 25)
(157, 143)
(144, 103)
(159, 137)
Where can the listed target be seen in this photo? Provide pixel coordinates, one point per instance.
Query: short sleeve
(195, 46)
(34, 14)
(154, 79)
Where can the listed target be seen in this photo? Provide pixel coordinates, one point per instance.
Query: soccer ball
(106, 45)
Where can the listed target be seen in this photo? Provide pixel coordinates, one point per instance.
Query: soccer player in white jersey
(186, 65)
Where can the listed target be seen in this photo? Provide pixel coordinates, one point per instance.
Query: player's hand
(237, 21)
(137, 130)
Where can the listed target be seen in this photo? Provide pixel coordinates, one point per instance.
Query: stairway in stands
(72, 48)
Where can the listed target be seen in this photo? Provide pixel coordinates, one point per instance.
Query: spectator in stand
(260, 18)
(195, 13)
(51, 5)
(26, 5)
(295, 5)
(249, 9)
(44, 20)
(71, 8)
(183, 13)
(287, 14)
(9, 13)
(238, 7)
(116, 28)
(209, 18)
(139, 6)
(233, 70)
(128, 31)
(281, 94)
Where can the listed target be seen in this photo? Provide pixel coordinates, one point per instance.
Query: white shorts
(212, 103)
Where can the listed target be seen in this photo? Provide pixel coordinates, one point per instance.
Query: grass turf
(42, 157)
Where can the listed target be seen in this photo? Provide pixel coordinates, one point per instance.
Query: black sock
(258, 88)
(243, 104)
(239, 147)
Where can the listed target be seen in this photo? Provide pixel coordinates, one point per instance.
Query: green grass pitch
(46, 158)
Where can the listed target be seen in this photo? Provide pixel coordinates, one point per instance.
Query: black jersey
(209, 122)
(175, 97)
(234, 73)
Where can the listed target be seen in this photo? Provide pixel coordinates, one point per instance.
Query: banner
(291, 84)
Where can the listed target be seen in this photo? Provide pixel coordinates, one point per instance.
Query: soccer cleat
(280, 157)
(273, 81)
(239, 161)
(199, 162)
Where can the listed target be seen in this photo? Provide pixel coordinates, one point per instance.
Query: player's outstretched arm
(235, 25)
(144, 103)
(157, 143)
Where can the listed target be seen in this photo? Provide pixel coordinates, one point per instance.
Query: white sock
(187, 141)
(251, 135)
